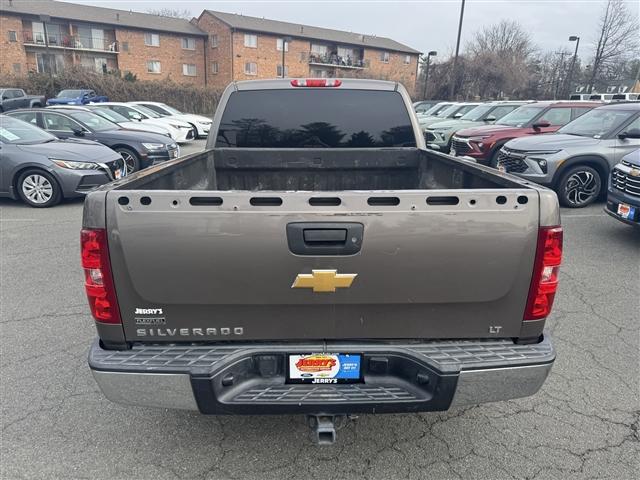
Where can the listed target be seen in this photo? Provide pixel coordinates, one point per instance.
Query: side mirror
(490, 118)
(633, 133)
(4, 97)
(136, 116)
(78, 132)
(541, 124)
(457, 115)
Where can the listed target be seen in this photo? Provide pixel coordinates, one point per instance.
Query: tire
(131, 159)
(38, 188)
(579, 186)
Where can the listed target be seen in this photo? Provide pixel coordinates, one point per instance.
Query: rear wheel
(579, 186)
(131, 160)
(39, 189)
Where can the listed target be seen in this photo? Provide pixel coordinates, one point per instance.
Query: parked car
(455, 111)
(435, 110)
(625, 97)
(576, 160)
(139, 149)
(12, 98)
(623, 199)
(41, 169)
(115, 117)
(424, 105)
(602, 97)
(483, 143)
(438, 135)
(277, 272)
(579, 96)
(200, 123)
(76, 97)
(179, 130)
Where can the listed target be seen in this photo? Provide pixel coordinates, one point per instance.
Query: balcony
(336, 61)
(70, 42)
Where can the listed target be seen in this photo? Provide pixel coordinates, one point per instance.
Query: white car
(179, 130)
(115, 117)
(200, 123)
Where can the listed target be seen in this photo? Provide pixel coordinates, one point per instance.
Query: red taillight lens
(315, 82)
(545, 273)
(98, 281)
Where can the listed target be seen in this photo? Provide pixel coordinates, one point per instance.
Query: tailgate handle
(325, 235)
(324, 238)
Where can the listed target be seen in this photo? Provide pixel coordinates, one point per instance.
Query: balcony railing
(336, 60)
(75, 42)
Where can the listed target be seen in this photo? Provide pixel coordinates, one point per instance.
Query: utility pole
(432, 53)
(455, 59)
(285, 41)
(567, 89)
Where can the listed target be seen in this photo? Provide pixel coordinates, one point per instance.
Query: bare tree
(171, 12)
(617, 39)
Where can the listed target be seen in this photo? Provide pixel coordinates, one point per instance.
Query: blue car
(76, 97)
(623, 199)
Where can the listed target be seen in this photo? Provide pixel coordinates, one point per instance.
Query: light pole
(432, 53)
(455, 59)
(557, 91)
(572, 38)
(285, 40)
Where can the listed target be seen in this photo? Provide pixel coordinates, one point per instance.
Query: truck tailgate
(196, 266)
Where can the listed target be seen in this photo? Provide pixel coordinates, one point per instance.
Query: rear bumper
(250, 378)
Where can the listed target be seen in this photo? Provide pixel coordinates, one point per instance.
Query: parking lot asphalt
(56, 424)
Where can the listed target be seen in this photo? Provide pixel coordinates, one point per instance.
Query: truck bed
(225, 169)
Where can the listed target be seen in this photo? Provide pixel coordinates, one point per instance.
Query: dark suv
(484, 142)
(138, 149)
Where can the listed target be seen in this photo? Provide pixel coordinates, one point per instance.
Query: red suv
(484, 142)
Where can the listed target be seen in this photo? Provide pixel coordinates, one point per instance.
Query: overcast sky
(422, 24)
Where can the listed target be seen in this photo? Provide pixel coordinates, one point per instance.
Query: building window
(213, 41)
(279, 43)
(319, 73)
(188, 43)
(384, 57)
(152, 39)
(153, 66)
(13, 36)
(189, 69)
(125, 46)
(17, 68)
(251, 68)
(214, 67)
(250, 40)
(407, 59)
(279, 71)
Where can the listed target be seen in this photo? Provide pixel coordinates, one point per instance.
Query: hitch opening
(323, 427)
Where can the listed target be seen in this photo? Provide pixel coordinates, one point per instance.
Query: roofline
(213, 13)
(114, 24)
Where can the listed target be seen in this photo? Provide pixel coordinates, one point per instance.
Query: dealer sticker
(325, 368)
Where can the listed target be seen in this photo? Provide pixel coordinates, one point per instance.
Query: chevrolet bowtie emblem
(634, 172)
(324, 280)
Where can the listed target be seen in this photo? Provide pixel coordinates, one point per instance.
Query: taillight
(546, 269)
(98, 281)
(315, 82)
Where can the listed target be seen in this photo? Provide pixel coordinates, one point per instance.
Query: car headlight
(73, 165)
(153, 146)
(175, 125)
(206, 123)
(479, 138)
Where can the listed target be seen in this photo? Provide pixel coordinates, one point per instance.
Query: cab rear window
(315, 118)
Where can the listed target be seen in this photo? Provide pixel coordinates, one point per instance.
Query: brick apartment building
(212, 50)
(244, 48)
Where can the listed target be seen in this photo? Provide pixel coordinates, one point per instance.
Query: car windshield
(437, 108)
(170, 109)
(448, 112)
(477, 113)
(93, 121)
(69, 94)
(147, 111)
(520, 116)
(110, 115)
(17, 132)
(598, 123)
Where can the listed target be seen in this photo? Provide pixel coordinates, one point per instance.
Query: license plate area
(626, 211)
(324, 368)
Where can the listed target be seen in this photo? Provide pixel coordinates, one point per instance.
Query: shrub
(119, 88)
